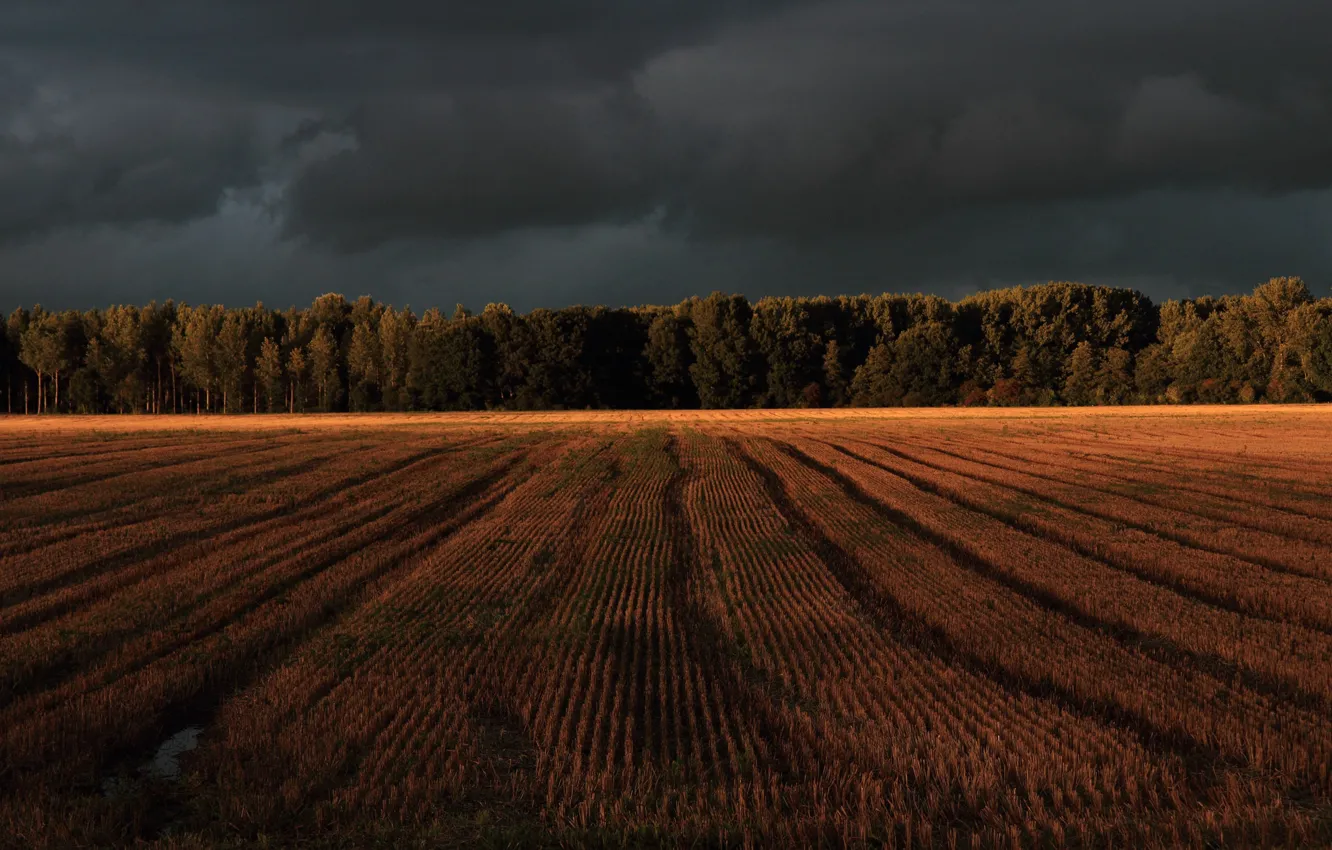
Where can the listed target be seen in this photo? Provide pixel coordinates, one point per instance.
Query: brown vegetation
(968, 628)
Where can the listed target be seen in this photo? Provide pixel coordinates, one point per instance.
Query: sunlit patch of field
(1103, 627)
(1125, 416)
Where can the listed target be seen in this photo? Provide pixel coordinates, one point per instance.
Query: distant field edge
(18, 423)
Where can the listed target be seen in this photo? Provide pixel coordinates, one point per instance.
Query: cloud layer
(601, 145)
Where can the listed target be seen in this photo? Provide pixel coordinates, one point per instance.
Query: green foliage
(1081, 384)
(918, 368)
(1059, 343)
(785, 332)
(395, 338)
(268, 371)
(1114, 380)
(297, 367)
(836, 388)
(229, 358)
(323, 358)
(669, 358)
(193, 343)
(365, 367)
(727, 367)
(450, 364)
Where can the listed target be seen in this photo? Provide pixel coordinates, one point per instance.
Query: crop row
(746, 631)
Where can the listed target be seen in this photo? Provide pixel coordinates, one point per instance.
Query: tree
(916, 369)
(835, 386)
(1272, 311)
(74, 332)
(395, 338)
(230, 358)
(195, 346)
(556, 376)
(1021, 346)
(1081, 384)
(782, 332)
(89, 384)
(296, 366)
(268, 372)
(330, 310)
(1203, 370)
(1029, 334)
(324, 367)
(42, 349)
(668, 358)
(513, 353)
(9, 360)
(1152, 374)
(121, 351)
(1271, 305)
(614, 358)
(364, 367)
(451, 363)
(726, 366)
(1114, 380)
(1309, 344)
(155, 326)
(873, 384)
(1031, 378)
(22, 375)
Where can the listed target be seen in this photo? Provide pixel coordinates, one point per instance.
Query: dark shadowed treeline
(1059, 343)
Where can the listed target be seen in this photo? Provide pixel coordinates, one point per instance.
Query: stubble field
(1083, 628)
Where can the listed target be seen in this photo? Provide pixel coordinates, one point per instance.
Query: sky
(553, 152)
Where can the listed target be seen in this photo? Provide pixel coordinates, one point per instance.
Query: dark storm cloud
(860, 116)
(472, 166)
(513, 93)
(338, 46)
(111, 154)
(1131, 241)
(778, 137)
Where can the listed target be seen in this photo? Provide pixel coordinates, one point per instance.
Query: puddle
(166, 764)
(163, 767)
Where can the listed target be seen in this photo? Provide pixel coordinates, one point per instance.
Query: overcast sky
(549, 152)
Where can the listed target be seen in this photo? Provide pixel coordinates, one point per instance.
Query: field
(1082, 628)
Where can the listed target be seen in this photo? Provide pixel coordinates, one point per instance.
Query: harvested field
(934, 628)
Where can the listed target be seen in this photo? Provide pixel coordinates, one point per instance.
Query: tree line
(1056, 343)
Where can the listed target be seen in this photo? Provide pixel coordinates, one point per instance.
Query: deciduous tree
(268, 372)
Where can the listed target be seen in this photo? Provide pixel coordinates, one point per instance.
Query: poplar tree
(364, 367)
(296, 366)
(324, 367)
(230, 359)
(268, 373)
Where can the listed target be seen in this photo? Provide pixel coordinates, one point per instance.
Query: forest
(1050, 344)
